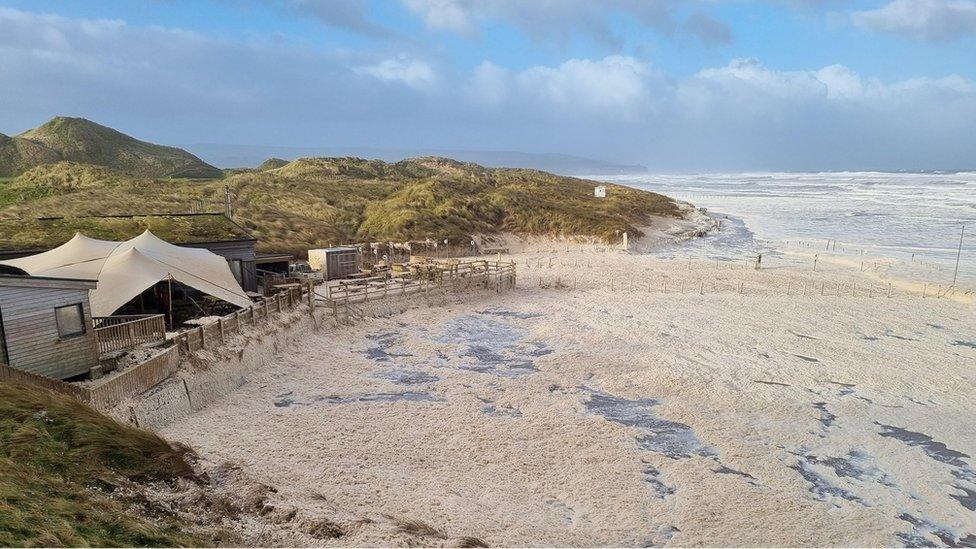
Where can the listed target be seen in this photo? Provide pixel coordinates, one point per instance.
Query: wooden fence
(108, 392)
(458, 275)
(13, 375)
(215, 333)
(119, 333)
(775, 286)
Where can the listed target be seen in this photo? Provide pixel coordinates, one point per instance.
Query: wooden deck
(123, 332)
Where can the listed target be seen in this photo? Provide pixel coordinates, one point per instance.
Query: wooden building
(46, 326)
(212, 231)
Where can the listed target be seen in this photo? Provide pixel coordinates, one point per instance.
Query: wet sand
(622, 417)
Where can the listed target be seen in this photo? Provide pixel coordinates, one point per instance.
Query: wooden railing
(422, 278)
(118, 333)
(216, 334)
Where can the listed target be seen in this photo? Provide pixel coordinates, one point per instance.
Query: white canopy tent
(126, 269)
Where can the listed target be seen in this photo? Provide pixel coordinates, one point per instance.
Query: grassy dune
(314, 202)
(63, 469)
(80, 140)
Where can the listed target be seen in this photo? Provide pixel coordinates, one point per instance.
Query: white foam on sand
(625, 417)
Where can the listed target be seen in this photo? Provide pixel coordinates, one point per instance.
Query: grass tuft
(63, 467)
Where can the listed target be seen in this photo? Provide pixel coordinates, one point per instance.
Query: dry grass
(61, 464)
(417, 528)
(312, 203)
(471, 541)
(80, 140)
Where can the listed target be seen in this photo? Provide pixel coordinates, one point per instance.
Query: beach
(623, 399)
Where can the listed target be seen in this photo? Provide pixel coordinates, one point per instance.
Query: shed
(337, 262)
(211, 231)
(46, 325)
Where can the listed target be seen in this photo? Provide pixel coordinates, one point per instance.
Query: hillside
(272, 164)
(315, 202)
(82, 141)
(18, 155)
(68, 473)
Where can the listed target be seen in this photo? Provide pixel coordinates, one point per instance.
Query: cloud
(833, 84)
(560, 20)
(828, 118)
(452, 15)
(708, 29)
(177, 86)
(349, 15)
(404, 69)
(491, 83)
(171, 84)
(930, 20)
(613, 86)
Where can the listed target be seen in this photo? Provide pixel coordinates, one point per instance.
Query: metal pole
(958, 254)
(169, 282)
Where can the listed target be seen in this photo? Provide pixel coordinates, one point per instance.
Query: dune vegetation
(312, 203)
(306, 203)
(66, 473)
(80, 140)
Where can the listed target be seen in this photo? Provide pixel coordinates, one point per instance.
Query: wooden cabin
(46, 326)
(212, 231)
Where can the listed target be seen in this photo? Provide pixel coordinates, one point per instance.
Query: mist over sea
(892, 214)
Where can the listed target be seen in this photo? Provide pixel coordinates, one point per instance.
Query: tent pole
(169, 282)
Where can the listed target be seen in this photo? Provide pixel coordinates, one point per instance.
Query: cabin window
(71, 320)
(236, 268)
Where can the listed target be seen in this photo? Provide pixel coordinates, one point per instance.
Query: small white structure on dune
(600, 191)
(124, 270)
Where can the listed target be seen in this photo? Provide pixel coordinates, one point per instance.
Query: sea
(905, 216)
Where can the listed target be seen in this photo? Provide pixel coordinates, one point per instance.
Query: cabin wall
(31, 331)
(241, 250)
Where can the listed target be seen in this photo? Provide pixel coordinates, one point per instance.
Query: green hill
(83, 141)
(314, 202)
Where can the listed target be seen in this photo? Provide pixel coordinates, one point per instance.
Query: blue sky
(695, 85)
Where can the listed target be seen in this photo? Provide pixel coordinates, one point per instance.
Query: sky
(678, 86)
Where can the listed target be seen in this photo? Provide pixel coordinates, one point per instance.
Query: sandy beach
(619, 399)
